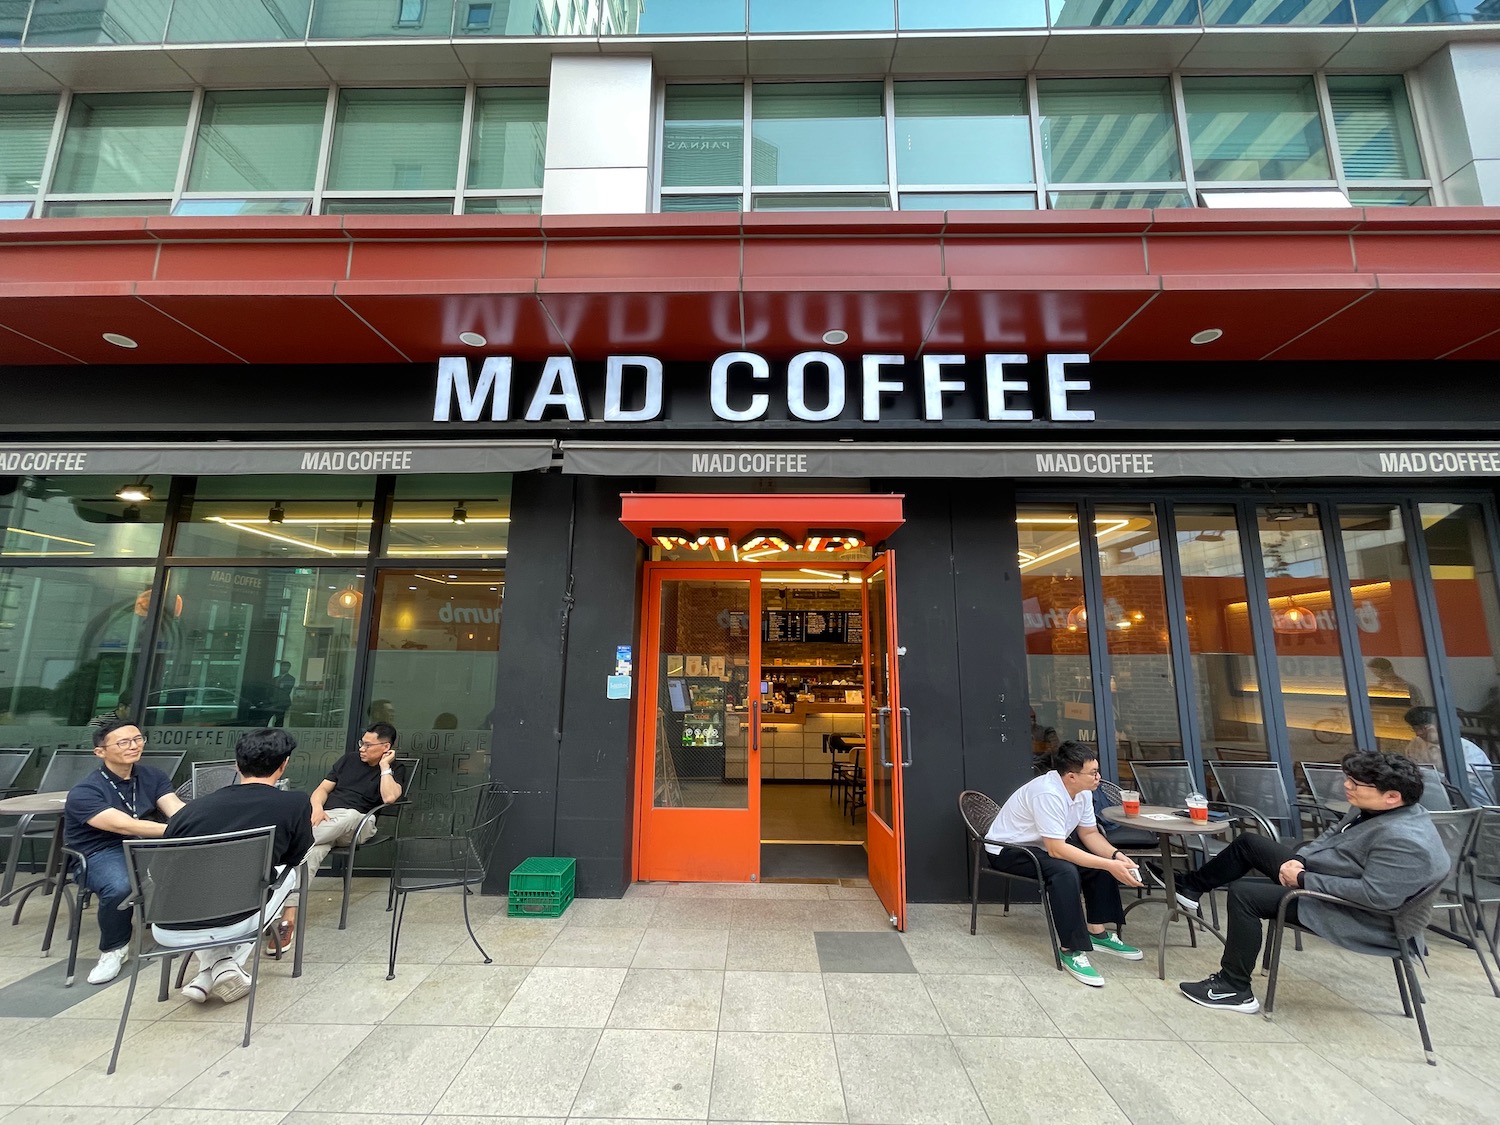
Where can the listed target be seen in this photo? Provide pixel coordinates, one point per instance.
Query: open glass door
(700, 716)
(888, 745)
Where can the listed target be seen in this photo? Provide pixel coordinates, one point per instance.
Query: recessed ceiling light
(119, 341)
(1207, 336)
(835, 336)
(473, 339)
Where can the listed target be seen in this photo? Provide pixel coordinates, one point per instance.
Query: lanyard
(115, 785)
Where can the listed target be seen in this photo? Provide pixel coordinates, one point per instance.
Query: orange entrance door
(888, 747)
(700, 714)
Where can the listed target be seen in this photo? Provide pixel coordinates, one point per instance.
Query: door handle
(755, 727)
(906, 736)
(882, 716)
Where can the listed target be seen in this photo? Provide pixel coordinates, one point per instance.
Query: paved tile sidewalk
(782, 1002)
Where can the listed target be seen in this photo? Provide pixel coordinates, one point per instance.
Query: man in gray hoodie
(1384, 851)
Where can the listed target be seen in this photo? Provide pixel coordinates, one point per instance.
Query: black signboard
(821, 626)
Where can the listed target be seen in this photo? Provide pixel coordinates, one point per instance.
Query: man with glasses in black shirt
(362, 780)
(113, 803)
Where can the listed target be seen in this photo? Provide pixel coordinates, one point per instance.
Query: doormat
(813, 861)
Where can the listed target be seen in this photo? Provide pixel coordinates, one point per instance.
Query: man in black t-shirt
(261, 757)
(362, 780)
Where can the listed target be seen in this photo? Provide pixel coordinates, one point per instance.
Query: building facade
(633, 402)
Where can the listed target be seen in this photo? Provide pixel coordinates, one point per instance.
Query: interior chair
(978, 813)
(457, 860)
(1406, 922)
(1459, 829)
(855, 791)
(391, 812)
(207, 777)
(841, 769)
(1439, 794)
(186, 883)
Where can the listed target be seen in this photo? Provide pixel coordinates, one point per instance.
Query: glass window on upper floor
(964, 15)
(703, 137)
(1373, 122)
(215, 21)
(1276, 12)
(122, 143)
(382, 19)
(972, 133)
(822, 16)
(396, 140)
(68, 22)
(1425, 11)
(1124, 13)
(1108, 130)
(823, 134)
(690, 17)
(258, 141)
(13, 21)
(1251, 129)
(25, 131)
(508, 144)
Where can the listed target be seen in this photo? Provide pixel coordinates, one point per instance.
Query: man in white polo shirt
(1052, 816)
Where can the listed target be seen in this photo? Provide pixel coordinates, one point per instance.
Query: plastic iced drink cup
(1130, 801)
(1198, 808)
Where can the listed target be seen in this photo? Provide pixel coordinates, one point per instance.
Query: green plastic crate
(541, 887)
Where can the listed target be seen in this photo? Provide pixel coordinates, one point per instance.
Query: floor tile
(1025, 1081)
(52, 1051)
(510, 941)
(593, 947)
(787, 1002)
(993, 1005)
(522, 1070)
(166, 1115)
(1081, 1012)
(776, 950)
(299, 1057)
(776, 1076)
(669, 999)
(154, 1063)
(419, 1063)
(356, 994)
(1424, 1095)
(1320, 1092)
(682, 949)
(563, 997)
(953, 953)
(906, 1080)
(840, 952)
(1146, 1080)
(692, 914)
(472, 995)
(421, 944)
(78, 1115)
(1195, 1024)
(648, 1074)
(631, 913)
(878, 1002)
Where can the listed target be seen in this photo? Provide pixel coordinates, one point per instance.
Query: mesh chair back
(210, 776)
(196, 878)
(978, 811)
(488, 821)
(1487, 845)
(1258, 785)
(67, 768)
(1164, 783)
(1435, 795)
(1413, 915)
(1458, 829)
(12, 762)
(165, 760)
(1482, 782)
(1325, 782)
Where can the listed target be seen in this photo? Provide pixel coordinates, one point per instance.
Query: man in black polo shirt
(261, 757)
(363, 779)
(102, 810)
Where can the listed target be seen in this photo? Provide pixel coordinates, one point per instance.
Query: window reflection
(450, 516)
(278, 516)
(1058, 673)
(78, 517)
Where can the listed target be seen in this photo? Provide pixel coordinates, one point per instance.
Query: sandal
(278, 937)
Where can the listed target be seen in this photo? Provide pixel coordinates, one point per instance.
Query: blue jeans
(107, 879)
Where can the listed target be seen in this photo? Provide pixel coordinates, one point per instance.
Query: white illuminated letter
(934, 386)
(1058, 386)
(614, 381)
(718, 391)
(874, 386)
(997, 386)
(796, 386)
(453, 383)
(558, 386)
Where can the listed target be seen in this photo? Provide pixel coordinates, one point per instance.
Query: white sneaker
(110, 963)
(198, 988)
(230, 981)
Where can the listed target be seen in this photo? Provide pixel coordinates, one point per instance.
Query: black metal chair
(1459, 829)
(186, 883)
(1407, 923)
(458, 859)
(207, 777)
(65, 769)
(1259, 786)
(978, 812)
(168, 761)
(841, 770)
(12, 762)
(345, 852)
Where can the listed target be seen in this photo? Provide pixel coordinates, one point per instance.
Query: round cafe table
(28, 807)
(1165, 824)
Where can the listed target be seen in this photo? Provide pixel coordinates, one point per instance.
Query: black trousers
(1079, 895)
(1250, 900)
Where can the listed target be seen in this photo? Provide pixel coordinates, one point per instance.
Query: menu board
(821, 626)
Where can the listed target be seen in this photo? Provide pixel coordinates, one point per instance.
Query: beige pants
(336, 831)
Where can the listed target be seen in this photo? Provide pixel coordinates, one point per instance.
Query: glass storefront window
(1255, 129)
(465, 516)
(1386, 622)
(1462, 568)
(1372, 119)
(245, 647)
(508, 142)
(277, 517)
(1059, 677)
(25, 129)
(122, 143)
(1142, 685)
(434, 658)
(1108, 130)
(258, 140)
(818, 133)
(962, 133)
(396, 140)
(73, 637)
(1305, 632)
(703, 141)
(79, 517)
(1227, 700)
(213, 21)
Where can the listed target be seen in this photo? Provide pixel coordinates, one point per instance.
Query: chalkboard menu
(837, 627)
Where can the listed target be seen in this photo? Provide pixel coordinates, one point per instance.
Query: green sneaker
(1078, 965)
(1109, 942)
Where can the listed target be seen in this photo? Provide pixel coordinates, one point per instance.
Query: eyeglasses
(363, 745)
(1089, 773)
(127, 743)
(1359, 784)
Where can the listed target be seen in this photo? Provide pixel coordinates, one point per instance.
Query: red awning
(739, 515)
